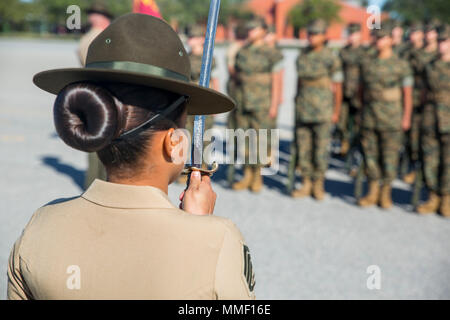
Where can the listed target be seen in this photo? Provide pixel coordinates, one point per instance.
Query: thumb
(196, 179)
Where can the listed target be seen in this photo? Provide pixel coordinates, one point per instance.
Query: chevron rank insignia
(248, 269)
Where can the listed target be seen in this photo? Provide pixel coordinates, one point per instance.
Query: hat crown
(141, 39)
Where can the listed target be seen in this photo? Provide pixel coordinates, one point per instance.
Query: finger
(206, 179)
(196, 179)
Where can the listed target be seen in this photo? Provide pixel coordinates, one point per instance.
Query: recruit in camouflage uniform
(318, 70)
(234, 86)
(436, 131)
(398, 45)
(383, 118)
(258, 66)
(414, 55)
(351, 56)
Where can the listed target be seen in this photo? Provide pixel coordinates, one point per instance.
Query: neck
(432, 46)
(418, 44)
(155, 178)
(258, 42)
(318, 48)
(396, 41)
(385, 53)
(446, 57)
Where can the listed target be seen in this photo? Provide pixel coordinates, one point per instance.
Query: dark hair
(90, 117)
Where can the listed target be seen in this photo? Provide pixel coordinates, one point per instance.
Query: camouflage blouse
(437, 77)
(196, 67)
(351, 63)
(383, 80)
(418, 60)
(316, 72)
(255, 65)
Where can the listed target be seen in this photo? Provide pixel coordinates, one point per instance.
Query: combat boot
(445, 206)
(345, 147)
(257, 181)
(305, 191)
(386, 197)
(372, 196)
(410, 178)
(432, 205)
(319, 190)
(246, 180)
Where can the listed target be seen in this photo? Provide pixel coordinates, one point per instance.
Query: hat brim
(202, 101)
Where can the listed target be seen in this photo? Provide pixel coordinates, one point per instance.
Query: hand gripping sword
(205, 74)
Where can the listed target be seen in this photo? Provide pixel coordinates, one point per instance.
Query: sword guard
(203, 172)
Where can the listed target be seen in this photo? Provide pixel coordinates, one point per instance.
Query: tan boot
(319, 190)
(386, 197)
(305, 191)
(410, 178)
(246, 180)
(432, 205)
(445, 206)
(257, 181)
(345, 147)
(372, 196)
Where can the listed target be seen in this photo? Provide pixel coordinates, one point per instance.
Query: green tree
(13, 13)
(301, 15)
(188, 12)
(54, 11)
(423, 10)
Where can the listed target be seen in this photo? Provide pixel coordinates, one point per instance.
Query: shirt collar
(124, 196)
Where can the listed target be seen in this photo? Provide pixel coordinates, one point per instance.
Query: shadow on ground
(344, 190)
(55, 163)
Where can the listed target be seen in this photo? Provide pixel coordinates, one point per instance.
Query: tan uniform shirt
(128, 242)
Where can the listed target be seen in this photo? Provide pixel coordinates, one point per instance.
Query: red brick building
(276, 13)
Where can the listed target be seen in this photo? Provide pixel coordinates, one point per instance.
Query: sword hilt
(203, 172)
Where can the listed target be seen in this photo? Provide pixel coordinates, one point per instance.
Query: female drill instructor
(123, 239)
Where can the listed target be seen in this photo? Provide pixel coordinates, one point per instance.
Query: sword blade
(205, 75)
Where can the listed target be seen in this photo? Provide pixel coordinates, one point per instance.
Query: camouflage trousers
(436, 155)
(381, 153)
(413, 136)
(312, 145)
(348, 111)
(256, 119)
(96, 170)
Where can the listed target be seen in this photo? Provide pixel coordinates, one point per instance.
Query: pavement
(301, 249)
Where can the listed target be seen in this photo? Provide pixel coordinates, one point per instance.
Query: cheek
(444, 47)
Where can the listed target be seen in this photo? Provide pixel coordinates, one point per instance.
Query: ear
(175, 145)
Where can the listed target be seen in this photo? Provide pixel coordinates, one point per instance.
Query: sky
(377, 2)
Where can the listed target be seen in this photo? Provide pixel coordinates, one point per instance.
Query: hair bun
(86, 117)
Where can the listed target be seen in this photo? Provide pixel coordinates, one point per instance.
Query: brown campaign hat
(143, 50)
